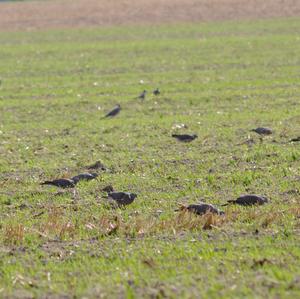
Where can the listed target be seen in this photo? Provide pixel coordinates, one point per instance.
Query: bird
(108, 188)
(248, 200)
(97, 165)
(62, 183)
(114, 111)
(84, 177)
(297, 139)
(185, 137)
(202, 209)
(156, 92)
(262, 131)
(142, 96)
(122, 198)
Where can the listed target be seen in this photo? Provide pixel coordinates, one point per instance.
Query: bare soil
(33, 15)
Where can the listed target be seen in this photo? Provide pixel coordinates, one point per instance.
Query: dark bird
(248, 200)
(156, 92)
(297, 139)
(202, 209)
(84, 177)
(122, 198)
(62, 183)
(185, 137)
(114, 111)
(142, 96)
(262, 131)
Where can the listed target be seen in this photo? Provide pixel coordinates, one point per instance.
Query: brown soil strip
(33, 15)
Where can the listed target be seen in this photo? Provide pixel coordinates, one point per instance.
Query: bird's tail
(46, 183)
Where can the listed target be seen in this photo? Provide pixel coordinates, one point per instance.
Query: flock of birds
(120, 198)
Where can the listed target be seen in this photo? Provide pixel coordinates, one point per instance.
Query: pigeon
(248, 200)
(185, 137)
(84, 177)
(142, 96)
(122, 198)
(62, 183)
(156, 92)
(114, 111)
(202, 209)
(297, 139)
(262, 131)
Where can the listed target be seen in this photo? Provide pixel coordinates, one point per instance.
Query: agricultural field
(218, 80)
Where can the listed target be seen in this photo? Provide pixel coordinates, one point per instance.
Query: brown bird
(97, 165)
(108, 188)
(185, 137)
(248, 200)
(202, 209)
(122, 198)
(61, 183)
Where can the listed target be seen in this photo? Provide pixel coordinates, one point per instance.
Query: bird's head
(133, 195)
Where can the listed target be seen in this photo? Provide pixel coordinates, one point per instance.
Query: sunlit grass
(218, 81)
